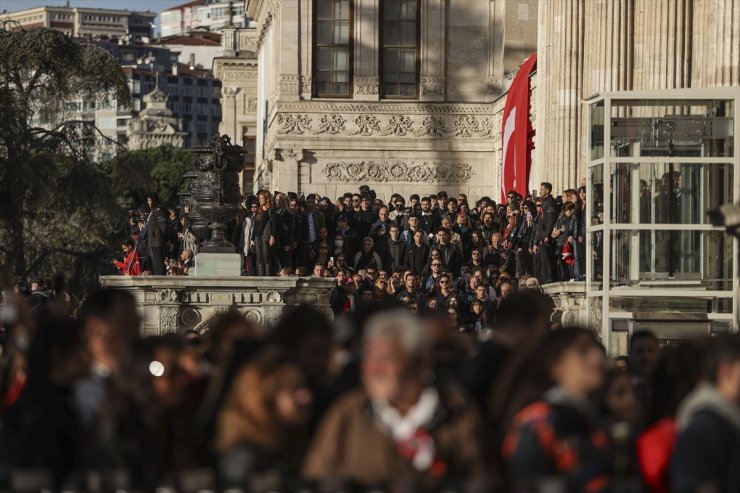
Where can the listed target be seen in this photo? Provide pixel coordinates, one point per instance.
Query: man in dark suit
(155, 232)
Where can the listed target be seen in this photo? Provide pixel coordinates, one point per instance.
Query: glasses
(444, 282)
(436, 265)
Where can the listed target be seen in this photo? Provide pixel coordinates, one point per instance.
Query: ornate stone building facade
(155, 125)
(590, 46)
(396, 93)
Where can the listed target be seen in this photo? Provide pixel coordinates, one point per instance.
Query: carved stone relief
(168, 319)
(398, 171)
(384, 125)
(433, 86)
(366, 85)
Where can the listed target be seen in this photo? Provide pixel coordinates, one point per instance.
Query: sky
(151, 5)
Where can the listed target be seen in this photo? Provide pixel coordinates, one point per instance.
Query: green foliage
(159, 169)
(57, 212)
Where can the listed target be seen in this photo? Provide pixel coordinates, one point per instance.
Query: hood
(706, 397)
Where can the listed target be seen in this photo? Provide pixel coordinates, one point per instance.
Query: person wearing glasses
(431, 283)
(445, 294)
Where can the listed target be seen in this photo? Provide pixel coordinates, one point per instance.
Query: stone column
(715, 41)
(228, 113)
(559, 92)
(366, 78)
(608, 56)
(663, 44)
(433, 28)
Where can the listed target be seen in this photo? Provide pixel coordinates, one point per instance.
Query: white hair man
(399, 426)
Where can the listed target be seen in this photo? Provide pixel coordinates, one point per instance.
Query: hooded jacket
(708, 450)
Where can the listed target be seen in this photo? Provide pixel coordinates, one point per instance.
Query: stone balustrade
(179, 303)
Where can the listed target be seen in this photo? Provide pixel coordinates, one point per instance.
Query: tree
(56, 207)
(159, 169)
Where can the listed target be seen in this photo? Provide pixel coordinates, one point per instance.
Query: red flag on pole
(517, 139)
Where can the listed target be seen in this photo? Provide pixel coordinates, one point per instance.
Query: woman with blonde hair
(263, 422)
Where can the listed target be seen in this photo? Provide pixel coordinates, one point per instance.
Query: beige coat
(351, 444)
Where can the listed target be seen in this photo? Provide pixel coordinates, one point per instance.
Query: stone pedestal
(217, 264)
(179, 303)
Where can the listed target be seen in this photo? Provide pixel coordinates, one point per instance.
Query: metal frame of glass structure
(658, 161)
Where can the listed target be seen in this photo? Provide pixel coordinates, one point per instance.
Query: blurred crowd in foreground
(381, 399)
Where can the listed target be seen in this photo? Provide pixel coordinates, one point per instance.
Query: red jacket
(131, 266)
(655, 449)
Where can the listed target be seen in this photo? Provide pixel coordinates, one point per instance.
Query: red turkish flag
(516, 161)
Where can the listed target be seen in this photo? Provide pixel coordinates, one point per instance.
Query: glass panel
(341, 33)
(391, 77)
(391, 34)
(342, 10)
(389, 89)
(322, 88)
(408, 60)
(324, 9)
(341, 77)
(391, 9)
(667, 193)
(324, 31)
(596, 270)
(341, 61)
(341, 89)
(408, 78)
(596, 195)
(390, 60)
(692, 128)
(408, 90)
(684, 259)
(597, 130)
(326, 58)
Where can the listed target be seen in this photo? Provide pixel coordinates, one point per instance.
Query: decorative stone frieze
(385, 125)
(397, 171)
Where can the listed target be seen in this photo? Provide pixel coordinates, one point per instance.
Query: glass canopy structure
(658, 162)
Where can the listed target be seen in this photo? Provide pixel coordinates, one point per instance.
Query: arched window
(333, 33)
(400, 48)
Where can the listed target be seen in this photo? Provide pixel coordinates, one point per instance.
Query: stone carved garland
(373, 171)
(384, 125)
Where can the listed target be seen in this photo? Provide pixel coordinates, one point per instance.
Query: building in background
(196, 49)
(123, 25)
(155, 125)
(397, 93)
(205, 15)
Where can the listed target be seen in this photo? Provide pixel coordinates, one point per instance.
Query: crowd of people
(387, 397)
(432, 252)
